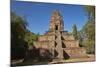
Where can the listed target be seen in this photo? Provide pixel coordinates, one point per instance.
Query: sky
(38, 15)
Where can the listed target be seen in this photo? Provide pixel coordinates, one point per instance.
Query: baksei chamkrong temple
(61, 44)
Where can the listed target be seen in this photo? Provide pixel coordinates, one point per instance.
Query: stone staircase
(61, 52)
(58, 47)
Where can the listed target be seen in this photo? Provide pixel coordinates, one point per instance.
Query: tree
(18, 29)
(90, 11)
(75, 34)
(89, 39)
(88, 30)
(80, 39)
(30, 38)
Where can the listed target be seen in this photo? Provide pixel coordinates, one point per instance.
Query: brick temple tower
(56, 22)
(61, 44)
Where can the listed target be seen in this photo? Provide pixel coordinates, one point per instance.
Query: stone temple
(60, 43)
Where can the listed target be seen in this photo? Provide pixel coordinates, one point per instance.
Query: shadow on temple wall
(35, 56)
(65, 55)
(39, 54)
(18, 49)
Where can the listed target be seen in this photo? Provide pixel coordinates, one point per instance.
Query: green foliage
(80, 39)
(90, 11)
(30, 38)
(18, 26)
(89, 30)
(21, 38)
(90, 46)
(75, 34)
(18, 29)
(87, 34)
(89, 40)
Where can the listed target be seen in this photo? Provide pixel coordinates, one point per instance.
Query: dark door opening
(56, 27)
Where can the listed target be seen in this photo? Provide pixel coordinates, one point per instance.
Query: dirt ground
(90, 58)
(20, 62)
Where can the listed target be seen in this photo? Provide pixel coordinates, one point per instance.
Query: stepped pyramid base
(60, 43)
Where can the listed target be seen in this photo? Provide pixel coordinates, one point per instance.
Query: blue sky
(38, 15)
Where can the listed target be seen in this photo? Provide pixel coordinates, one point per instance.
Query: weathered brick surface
(76, 52)
(46, 38)
(71, 43)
